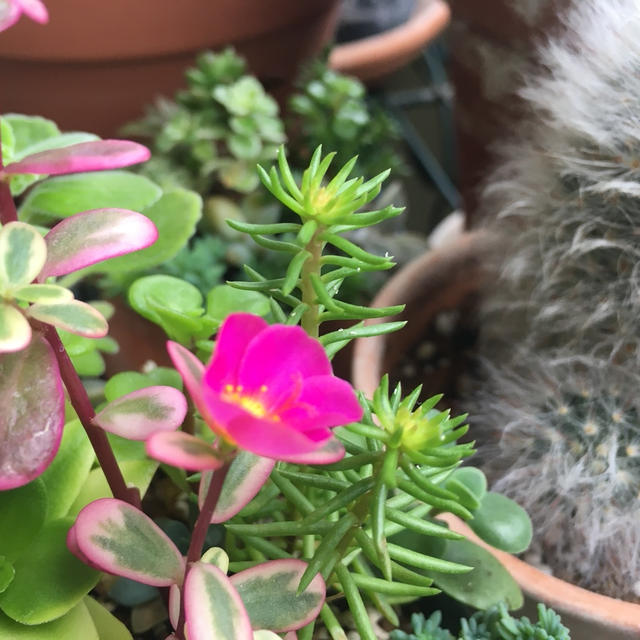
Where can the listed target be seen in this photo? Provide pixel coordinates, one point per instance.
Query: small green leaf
(26, 131)
(106, 624)
(45, 293)
(15, 331)
(502, 523)
(7, 573)
(223, 300)
(23, 253)
(488, 584)
(73, 316)
(63, 196)
(49, 579)
(470, 484)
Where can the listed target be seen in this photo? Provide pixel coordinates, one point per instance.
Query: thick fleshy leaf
(49, 580)
(106, 624)
(76, 623)
(67, 474)
(182, 450)
(265, 634)
(15, 330)
(96, 155)
(65, 196)
(23, 514)
(141, 413)
(92, 236)
(122, 540)
(213, 608)
(246, 476)
(217, 557)
(44, 293)
(331, 451)
(73, 316)
(22, 255)
(7, 573)
(30, 430)
(502, 523)
(269, 593)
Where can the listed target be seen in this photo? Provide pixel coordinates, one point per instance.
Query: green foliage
(493, 624)
(333, 111)
(216, 130)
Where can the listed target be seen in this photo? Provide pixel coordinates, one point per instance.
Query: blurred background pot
(96, 64)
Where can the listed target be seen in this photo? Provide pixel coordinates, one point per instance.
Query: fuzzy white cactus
(561, 334)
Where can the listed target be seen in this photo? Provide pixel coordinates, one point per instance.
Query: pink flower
(11, 10)
(270, 390)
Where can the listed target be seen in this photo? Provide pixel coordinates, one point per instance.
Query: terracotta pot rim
(558, 594)
(394, 47)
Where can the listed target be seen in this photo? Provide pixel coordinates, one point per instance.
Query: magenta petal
(92, 236)
(182, 450)
(233, 338)
(278, 358)
(333, 400)
(35, 10)
(84, 156)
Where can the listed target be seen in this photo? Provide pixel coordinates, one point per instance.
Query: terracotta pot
(378, 55)
(589, 615)
(440, 280)
(96, 64)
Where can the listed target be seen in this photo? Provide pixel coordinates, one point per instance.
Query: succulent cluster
(493, 624)
(216, 130)
(561, 331)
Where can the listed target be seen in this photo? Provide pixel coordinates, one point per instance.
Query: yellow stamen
(255, 406)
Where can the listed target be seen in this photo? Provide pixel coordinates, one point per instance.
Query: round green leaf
(43, 293)
(469, 484)
(7, 573)
(223, 300)
(106, 624)
(23, 253)
(49, 580)
(23, 513)
(73, 316)
(502, 523)
(488, 584)
(15, 331)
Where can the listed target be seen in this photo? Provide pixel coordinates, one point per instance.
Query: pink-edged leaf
(265, 634)
(174, 605)
(95, 155)
(246, 475)
(15, 330)
(182, 450)
(269, 593)
(213, 608)
(46, 293)
(92, 236)
(120, 539)
(35, 9)
(292, 635)
(10, 13)
(217, 557)
(22, 255)
(331, 451)
(72, 316)
(141, 413)
(32, 415)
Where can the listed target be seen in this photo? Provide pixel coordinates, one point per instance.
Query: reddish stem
(8, 211)
(97, 437)
(200, 531)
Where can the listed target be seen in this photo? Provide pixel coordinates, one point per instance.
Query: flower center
(255, 406)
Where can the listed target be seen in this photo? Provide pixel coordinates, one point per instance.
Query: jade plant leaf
(120, 539)
(26, 131)
(73, 316)
(182, 450)
(488, 584)
(23, 514)
(213, 608)
(49, 581)
(45, 293)
(95, 155)
(172, 303)
(139, 414)
(269, 593)
(32, 375)
(66, 475)
(223, 300)
(7, 573)
(502, 523)
(92, 236)
(106, 624)
(127, 381)
(76, 623)
(175, 216)
(22, 255)
(67, 195)
(15, 330)
(246, 476)
(469, 484)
